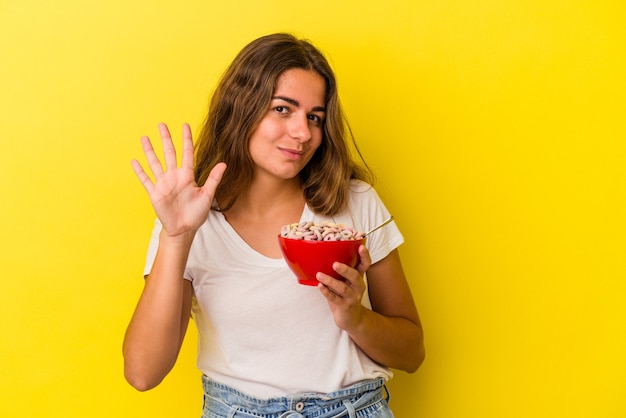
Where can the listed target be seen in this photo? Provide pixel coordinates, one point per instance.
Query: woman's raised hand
(180, 204)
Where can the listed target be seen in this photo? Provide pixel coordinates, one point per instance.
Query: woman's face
(291, 129)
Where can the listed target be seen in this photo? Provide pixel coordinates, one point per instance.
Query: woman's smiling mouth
(292, 154)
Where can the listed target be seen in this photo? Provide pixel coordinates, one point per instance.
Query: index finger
(187, 155)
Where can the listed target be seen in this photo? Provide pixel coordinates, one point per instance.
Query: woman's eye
(281, 109)
(315, 118)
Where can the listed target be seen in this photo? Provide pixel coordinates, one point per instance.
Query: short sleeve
(152, 247)
(369, 211)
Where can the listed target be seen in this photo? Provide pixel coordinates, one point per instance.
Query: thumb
(364, 259)
(215, 176)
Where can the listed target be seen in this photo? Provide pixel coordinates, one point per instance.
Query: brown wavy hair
(241, 100)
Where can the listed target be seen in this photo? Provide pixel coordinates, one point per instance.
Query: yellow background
(496, 129)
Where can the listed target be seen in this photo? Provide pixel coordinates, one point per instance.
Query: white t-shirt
(262, 332)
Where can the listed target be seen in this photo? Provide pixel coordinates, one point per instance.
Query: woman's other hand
(391, 332)
(344, 296)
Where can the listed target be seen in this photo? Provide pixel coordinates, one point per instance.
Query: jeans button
(299, 406)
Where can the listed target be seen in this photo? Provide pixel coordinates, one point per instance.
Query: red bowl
(306, 258)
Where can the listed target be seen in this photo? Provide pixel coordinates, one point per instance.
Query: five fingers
(169, 153)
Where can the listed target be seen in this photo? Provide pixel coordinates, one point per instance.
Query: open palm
(180, 204)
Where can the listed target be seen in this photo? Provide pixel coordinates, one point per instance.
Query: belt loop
(232, 411)
(349, 408)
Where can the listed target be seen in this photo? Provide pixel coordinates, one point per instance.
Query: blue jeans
(363, 400)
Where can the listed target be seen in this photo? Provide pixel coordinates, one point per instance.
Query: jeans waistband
(355, 397)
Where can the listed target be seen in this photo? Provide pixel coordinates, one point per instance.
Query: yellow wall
(497, 131)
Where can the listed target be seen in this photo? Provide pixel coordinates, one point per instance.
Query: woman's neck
(269, 198)
(258, 215)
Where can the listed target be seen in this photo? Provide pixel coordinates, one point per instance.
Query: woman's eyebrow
(295, 103)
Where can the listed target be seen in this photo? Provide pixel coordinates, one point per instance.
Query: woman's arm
(157, 328)
(391, 333)
(159, 323)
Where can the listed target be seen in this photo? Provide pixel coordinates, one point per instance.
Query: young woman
(273, 151)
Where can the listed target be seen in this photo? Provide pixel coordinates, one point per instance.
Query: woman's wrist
(182, 240)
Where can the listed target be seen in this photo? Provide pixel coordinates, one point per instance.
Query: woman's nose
(299, 128)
